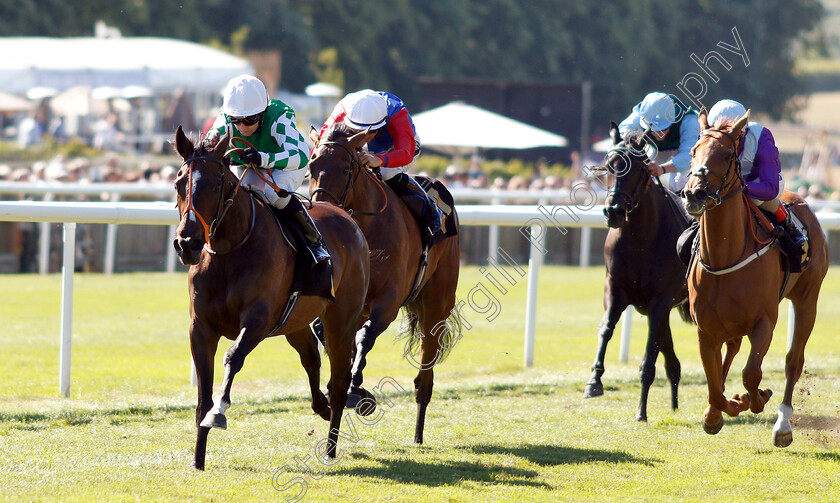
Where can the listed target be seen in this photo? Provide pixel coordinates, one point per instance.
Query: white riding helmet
(725, 111)
(244, 96)
(658, 111)
(365, 109)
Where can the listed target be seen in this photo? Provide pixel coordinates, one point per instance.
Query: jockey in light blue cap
(674, 131)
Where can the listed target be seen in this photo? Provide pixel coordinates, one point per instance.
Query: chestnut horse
(394, 238)
(240, 279)
(736, 281)
(643, 269)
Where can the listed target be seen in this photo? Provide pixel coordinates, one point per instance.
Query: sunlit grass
(494, 432)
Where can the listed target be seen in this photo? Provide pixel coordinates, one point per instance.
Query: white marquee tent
(459, 127)
(160, 64)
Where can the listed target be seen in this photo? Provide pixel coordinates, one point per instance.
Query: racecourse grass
(494, 432)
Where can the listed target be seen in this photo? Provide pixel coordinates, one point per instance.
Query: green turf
(494, 432)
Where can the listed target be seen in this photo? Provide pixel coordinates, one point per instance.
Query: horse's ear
(703, 118)
(358, 139)
(221, 146)
(741, 123)
(314, 136)
(614, 134)
(183, 144)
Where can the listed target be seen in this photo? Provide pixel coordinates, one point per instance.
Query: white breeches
(289, 181)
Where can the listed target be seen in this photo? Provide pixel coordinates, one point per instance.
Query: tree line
(625, 48)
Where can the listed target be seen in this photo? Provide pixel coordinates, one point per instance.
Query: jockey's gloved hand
(251, 156)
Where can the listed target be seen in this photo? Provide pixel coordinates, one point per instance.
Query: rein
(351, 180)
(221, 209)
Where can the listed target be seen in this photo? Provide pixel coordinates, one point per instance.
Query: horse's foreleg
(732, 348)
(233, 361)
(616, 304)
(203, 351)
(306, 344)
(762, 334)
(712, 366)
(805, 312)
(380, 318)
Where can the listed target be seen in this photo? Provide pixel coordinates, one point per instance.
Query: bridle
(642, 183)
(352, 171)
(734, 163)
(221, 209)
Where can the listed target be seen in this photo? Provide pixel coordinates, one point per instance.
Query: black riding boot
(314, 243)
(795, 235)
(417, 200)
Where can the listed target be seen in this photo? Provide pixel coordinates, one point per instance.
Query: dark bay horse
(643, 269)
(395, 245)
(240, 279)
(736, 282)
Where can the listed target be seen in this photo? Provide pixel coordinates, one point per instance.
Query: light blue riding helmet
(726, 111)
(658, 111)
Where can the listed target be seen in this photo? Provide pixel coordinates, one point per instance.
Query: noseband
(353, 172)
(632, 152)
(734, 162)
(221, 209)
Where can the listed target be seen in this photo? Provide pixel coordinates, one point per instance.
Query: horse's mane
(337, 131)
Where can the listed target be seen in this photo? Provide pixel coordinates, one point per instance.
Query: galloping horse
(240, 281)
(643, 268)
(736, 281)
(394, 238)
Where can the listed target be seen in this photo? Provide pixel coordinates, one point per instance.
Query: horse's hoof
(367, 404)
(713, 429)
(214, 420)
(642, 418)
(782, 438)
(352, 400)
(593, 389)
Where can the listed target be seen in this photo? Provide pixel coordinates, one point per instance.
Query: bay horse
(736, 281)
(396, 248)
(643, 269)
(240, 279)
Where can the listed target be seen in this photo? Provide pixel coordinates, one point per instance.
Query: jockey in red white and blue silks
(392, 145)
(397, 144)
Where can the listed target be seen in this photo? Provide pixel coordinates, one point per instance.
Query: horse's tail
(448, 332)
(685, 312)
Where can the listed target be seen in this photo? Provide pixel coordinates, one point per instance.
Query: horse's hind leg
(203, 351)
(806, 313)
(306, 344)
(760, 338)
(616, 304)
(659, 339)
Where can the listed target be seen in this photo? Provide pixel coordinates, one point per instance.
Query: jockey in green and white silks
(279, 150)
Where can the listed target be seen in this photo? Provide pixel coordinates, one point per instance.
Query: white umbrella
(41, 92)
(12, 103)
(463, 128)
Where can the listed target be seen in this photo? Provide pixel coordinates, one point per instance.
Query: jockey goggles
(248, 121)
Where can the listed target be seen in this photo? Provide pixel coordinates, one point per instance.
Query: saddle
(309, 279)
(794, 258)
